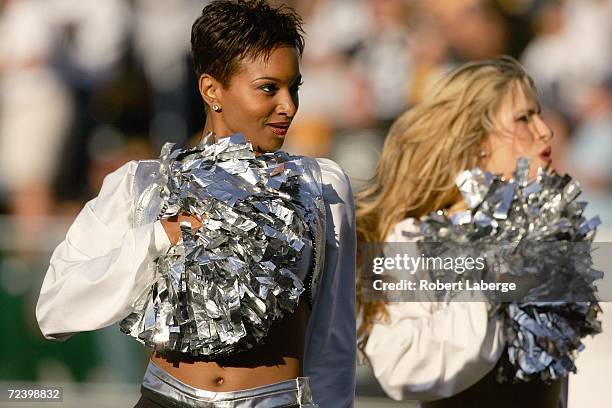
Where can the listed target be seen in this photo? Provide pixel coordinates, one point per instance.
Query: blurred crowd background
(86, 85)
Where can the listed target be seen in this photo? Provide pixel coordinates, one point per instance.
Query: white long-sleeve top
(104, 264)
(432, 350)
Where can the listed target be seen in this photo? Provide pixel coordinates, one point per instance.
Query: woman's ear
(210, 90)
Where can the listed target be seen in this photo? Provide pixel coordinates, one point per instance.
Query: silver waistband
(166, 388)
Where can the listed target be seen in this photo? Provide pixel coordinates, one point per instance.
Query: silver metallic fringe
(219, 290)
(534, 231)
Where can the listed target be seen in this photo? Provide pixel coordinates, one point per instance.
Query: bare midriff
(278, 359)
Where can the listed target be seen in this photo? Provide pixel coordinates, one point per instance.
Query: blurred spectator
(590, 155)
(475, 29)
(430, 55)
(334, 26)
(572, 49)
(383, 57)
(90, 43)
(334, 95)
(161, 35)
(34, 115)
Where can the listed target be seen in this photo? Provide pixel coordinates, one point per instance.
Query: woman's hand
(172, 225)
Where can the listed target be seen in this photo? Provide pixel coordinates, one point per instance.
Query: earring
(216, 108)
(483, 153)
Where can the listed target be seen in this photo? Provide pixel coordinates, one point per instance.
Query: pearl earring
(483, 153)
(216, 108)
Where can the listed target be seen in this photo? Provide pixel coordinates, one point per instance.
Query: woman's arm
(329, 357)
(103, 264)
(429, 350)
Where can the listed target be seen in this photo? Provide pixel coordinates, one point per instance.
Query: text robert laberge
(437, 285)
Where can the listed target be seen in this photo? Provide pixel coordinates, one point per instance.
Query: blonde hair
(426, 148)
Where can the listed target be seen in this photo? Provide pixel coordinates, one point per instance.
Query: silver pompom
(218, 291)
(528, 231)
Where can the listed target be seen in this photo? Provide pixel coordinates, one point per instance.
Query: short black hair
(230, 30)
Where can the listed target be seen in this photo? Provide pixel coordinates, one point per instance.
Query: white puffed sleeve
(102, 265)
(330, 352)
(429, 350)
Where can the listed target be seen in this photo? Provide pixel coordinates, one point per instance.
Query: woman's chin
(541, 163)
(268, 147)
(275, 144)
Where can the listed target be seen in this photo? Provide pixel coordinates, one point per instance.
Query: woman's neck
(209, 127)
